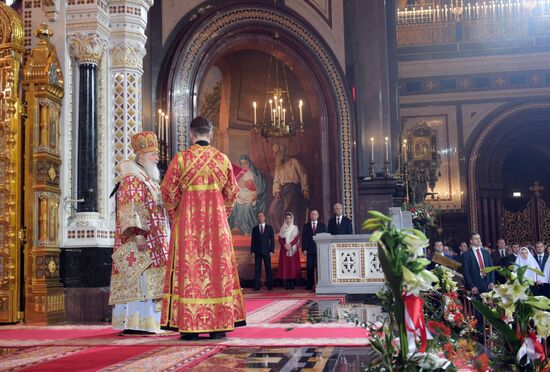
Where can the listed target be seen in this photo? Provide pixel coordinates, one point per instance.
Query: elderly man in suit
(262, 245)
(309, 247)
(339, 224)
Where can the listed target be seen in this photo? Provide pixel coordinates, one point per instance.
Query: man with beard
(202, 293)
(290, 188)
(141, 223)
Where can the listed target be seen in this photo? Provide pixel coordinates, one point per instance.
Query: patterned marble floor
(327, 359)
(325, 316)
(331, 311)
(332, 358)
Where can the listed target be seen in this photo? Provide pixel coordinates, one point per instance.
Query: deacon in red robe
(202, 293)
(138, 275)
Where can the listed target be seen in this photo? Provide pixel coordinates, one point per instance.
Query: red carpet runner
(100, 348)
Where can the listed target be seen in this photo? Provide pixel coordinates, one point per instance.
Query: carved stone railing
(473, 22)
(347, 264)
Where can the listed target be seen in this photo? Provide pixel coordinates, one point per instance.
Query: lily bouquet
(401, 255)
(521, 318)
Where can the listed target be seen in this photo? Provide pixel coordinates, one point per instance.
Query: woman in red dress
(289, 258)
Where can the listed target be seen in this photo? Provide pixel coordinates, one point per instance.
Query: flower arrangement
(463, 354)
(445, 283)
(402, 340)
(452, 311)
(401, 255)
(424, 215)
(511, 306)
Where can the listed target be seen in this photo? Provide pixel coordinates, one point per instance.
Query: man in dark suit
(511, 258)
(463, 249)
(262, 245)
(476, 259)
(542, 289)
(309, 247)
(339, 224)
(473, 261)
(498, 256)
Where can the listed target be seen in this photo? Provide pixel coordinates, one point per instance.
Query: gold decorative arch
(226, 20)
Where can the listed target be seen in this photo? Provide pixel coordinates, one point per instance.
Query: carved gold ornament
(52, 266)
(52, 173)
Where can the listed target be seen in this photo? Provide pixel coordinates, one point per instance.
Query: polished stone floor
(332, 311)
(328, 358)
(333, 358)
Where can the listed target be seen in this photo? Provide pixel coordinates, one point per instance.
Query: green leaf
(537, 271)
(379, 215)
(521, 272)
(487, 270)
(423, 261)
(498, 323)
(376, 236)
(416, 232)
(537, 305)
(370, 226)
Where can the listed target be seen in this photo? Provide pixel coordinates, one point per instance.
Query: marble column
(371, 69)
(127, 51)
(87, 50)
(87, 138)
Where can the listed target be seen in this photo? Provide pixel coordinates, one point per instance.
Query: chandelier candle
(300, 104)
(254, 105)
(387, 149)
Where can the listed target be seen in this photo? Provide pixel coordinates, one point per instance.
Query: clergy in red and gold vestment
(202, 293)
(141, 241)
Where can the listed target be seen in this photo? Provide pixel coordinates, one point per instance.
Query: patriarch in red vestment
(141, 240)
(202, 293)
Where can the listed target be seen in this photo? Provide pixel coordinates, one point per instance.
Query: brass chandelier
(277, 115)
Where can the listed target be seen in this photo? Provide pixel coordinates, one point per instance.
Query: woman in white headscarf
(525, 258)
(289, 256)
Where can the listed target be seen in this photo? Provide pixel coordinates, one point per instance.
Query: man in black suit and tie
(262, 245)
(541, 258)
(309, 247)
(339, 224)
(476, 259)
(498, 256)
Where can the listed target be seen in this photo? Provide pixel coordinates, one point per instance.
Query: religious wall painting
(431, 161)
(251, 196)
(262, 165)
